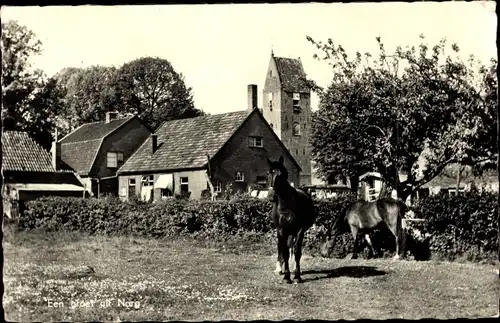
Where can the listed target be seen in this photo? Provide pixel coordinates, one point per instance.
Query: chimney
(56, 153)
(111, 116)
(252, 96)
(154, 142)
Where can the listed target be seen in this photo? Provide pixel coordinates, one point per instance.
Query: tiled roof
(80, 155)
(21, 153)
(292, 75)
(79, 148)
(184, 143)
(94, 130)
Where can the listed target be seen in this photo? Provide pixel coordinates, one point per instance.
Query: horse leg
(298, 254)
(291, 248)
(279, 262)
(354, 232)
(396, 231)
(285, 252)
(367, 237)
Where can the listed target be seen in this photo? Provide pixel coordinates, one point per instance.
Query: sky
(220, 49)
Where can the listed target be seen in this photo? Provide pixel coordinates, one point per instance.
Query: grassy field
(139, 279)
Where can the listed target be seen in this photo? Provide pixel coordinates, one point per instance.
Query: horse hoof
(279, 273)
(396, 258)
(298, 280)
(287, 280)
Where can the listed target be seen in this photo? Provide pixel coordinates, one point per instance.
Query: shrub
(463, 224)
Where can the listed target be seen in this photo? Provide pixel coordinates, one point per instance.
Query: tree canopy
(26, 104)
(147, 87)
(151, 88)
(411, 112)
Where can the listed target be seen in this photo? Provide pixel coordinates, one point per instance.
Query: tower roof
(292, 75)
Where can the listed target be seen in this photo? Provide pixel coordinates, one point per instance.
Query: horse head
(278, 175)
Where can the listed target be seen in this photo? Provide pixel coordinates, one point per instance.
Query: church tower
(287, 108)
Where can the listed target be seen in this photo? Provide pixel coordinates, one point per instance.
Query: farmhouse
(183, 156)
(96, 150)
(29, 172)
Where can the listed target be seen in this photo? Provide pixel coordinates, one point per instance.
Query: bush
(464, 224)
(461, 226)
(203, 218)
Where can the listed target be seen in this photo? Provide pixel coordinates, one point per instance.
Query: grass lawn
(141, 279)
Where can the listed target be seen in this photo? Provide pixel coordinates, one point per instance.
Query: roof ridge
(104, 121)
(76, 142)
(198, 117)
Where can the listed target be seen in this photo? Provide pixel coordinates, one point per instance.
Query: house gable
(81, 148)
(125, 140)
(238, 156)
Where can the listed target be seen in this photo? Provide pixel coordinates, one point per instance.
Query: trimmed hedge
(459, 225)
(201, 218)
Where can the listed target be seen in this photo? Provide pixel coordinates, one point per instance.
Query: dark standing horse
(363, 216)
(292, 214)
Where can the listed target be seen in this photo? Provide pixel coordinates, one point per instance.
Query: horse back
(364, 215)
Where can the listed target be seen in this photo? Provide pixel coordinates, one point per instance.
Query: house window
(165, 192)
(270, 98)
(239, 177)
(296, 129)
(217, 187)
(296, 102)
(184, 184)
(112, 161)
(255, 141)
(131, 187)
(119, 157)
(146, 180)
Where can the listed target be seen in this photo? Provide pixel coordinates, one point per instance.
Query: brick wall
(282, 117)
(126, 140)
(272, 85)
(236, 155)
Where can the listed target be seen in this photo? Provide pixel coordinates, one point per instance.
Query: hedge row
(466, 223)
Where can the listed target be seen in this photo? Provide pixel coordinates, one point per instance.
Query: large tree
(152, 89)
(27, 105)
(87, 94)
(410, 112)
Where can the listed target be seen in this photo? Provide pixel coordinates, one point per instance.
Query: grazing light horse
(362, 217)
(292, 214)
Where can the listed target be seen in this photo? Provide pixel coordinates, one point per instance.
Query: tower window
(296, 102)
(296, 129)
(272, 125)
(270, 98)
